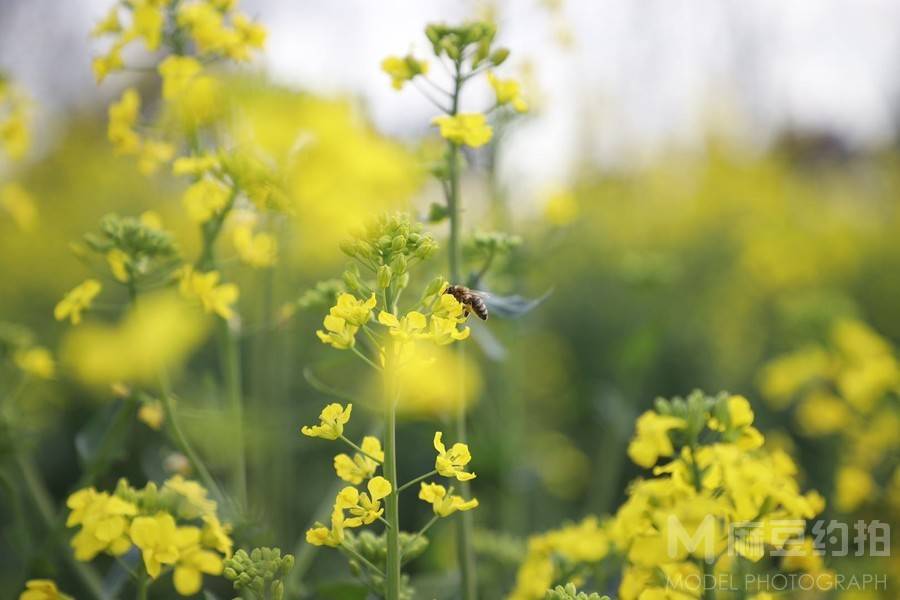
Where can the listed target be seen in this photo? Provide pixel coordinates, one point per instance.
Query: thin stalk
(358, 449)
(409, 484)
(363, 559)
(142, 586)
(231, 363)
(365, 358)
(466, 556)
(392, 502)
(421, 532)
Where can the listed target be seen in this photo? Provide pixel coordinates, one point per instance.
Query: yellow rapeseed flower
(159, 538)
(507, 92)
(324, 536)
(361, 467)
(215, 298)
(205, 199)
(331, 422)
(118, 264)
(652, 439)
(178, 74)
(259, 250)
(108, 63)
(122, 118)
(147, 22)
(196, 497)
(452, 463)
(76, 301)
(470, 129)
(104, 523)
(152, 414)
(364, 507)
(338, 333)
(443, 503)
(19, 205)
(403, 69)
(193, 561)
(42, 589)
(405, 329)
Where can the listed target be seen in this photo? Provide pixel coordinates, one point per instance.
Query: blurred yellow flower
(123, 116)
(148, 19)
(15, 136)
(216, 535)
(156, 335)
(452, 463)
(435, 381)
(42, 589)
(561, 208)
(108, 63)
(853, 487)
(103, 521)
(470, 129)
(215, 298)
(118, 264)
(152, 414)
(19, 205)
(507, 92)
(822, 413)
(76, 301)
(109, 24)
(193, 562)
(205, 199)
(159, 538)
(195, 165)
(403, 69)
(154, 153)
(442, 503)
(196, 500)
(259, 250)
(36, 361)
(652, 438)
(178, 74)
(331, 422)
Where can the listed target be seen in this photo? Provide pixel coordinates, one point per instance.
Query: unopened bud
(384, 276)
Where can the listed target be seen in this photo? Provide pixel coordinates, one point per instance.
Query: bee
(472, 301)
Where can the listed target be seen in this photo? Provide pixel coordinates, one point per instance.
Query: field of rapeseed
(253, 347)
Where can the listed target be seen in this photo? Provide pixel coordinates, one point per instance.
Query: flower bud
(499, 56)
(398, 265)
(398, 243)
(434, 286)
(384, 276)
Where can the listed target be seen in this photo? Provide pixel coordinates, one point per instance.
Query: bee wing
(511, 307)
(492, 347)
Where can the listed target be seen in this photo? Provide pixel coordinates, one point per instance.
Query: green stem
(363, 559)
(142, 586)
(358, 449)
(184, 446)
(466, 556)
(417, 480)
(421, 532)
(40, 497)
(365, 358)
(392, 502)
(231, 362)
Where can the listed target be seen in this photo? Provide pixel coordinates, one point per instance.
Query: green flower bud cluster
(260, 573)
(455, 41)
(321, 296)
(500, 547)
(152, 499)
(144, 250)
(569, 592)
(694, 409)
(132, 237)
(388, 247)
(373, 547)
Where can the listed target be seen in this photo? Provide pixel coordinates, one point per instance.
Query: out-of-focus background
(708, 190)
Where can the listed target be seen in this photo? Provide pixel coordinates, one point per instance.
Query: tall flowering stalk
(390, 343)
(194, 36)
(465, 52)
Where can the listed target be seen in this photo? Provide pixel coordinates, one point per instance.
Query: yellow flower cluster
(215, 298)
(122, 133)
(506, 92)
(440, 327)
(843, 390)
(550, 554)
(258, 250)
(174, 526)
(344, 320)
(364, 508)
(212, 26)
(702, 493)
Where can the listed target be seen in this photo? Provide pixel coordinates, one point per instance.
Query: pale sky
(640, 75)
